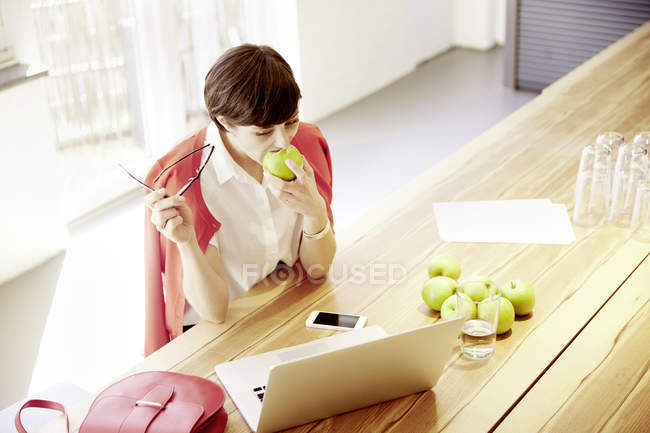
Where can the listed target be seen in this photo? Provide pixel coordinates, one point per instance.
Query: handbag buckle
(149, 404)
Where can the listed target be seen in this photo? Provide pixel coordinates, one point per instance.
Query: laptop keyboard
(259, 392)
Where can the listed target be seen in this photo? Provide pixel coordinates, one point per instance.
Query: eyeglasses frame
(189, 182)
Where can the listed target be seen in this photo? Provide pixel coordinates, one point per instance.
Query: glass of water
(478, 336)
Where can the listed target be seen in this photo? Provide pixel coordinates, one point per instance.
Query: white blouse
(257, 231)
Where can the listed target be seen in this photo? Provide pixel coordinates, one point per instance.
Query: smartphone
(335, 321)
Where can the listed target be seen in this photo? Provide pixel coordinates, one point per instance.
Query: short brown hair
(251, 85)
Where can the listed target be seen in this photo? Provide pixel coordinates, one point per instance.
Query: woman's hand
(171, 216)
(301, 194)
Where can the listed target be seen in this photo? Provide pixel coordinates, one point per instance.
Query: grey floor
(390, 137)
(77, 320)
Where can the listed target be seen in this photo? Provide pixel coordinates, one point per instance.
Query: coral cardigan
(164, 297)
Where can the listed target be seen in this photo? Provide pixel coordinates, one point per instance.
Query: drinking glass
(614, 140)
(593, 185)
(479, 332)
(631, 168)
(640, 224)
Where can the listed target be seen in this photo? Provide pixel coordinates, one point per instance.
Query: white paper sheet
(515, 221)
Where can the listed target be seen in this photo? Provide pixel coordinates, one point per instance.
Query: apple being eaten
(445, 265)
(487, 310)
(273, 162)
(436, 290)
(448, 310)
(521, 295)
(478, 288)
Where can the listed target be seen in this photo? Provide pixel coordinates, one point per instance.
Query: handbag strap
(45, 404)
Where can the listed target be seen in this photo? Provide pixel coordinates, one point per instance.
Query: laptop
(299, 384)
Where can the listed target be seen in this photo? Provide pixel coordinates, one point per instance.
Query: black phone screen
(335, 319)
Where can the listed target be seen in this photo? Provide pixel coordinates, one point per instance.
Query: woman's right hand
(171, 216)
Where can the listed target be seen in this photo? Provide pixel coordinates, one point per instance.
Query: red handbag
(151, 402)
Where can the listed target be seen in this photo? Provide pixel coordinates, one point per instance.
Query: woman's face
(255, 141)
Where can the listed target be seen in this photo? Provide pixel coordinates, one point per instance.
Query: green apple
(273, 162)
(478, 288)
(448, 310)
(486, 311)
(521, 295)
(444, 265)
(436, 290)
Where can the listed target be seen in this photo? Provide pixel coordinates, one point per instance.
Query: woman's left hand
(300, 194)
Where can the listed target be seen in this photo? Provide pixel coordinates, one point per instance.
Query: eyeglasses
(190, 181)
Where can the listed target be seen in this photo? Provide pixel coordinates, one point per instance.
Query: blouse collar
(223, 163)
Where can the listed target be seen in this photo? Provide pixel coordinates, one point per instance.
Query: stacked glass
(614, 140)
(614, 192)
(631, 168)
(640, 221)
(593, 185)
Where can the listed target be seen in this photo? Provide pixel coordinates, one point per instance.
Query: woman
(231, 227)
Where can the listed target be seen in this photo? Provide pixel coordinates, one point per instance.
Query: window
(88, 93)
(115, 95)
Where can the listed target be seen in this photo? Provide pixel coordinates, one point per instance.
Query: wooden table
(578, 363)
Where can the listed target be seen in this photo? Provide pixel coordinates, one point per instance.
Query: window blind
(553, 36)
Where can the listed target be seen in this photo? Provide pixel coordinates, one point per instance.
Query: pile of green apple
(439, 293)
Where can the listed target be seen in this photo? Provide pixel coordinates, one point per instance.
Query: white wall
(20, 30)
(350, 49)
(479, 24)
(501, 22)
(341, 50)
(275, 23)
(32, 228)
